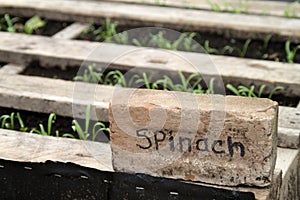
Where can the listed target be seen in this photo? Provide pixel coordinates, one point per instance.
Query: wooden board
(289, 127)
(36, 148)
(253, 7)
(72, 31)
(51, 95)
(243, 26)
(51, 52)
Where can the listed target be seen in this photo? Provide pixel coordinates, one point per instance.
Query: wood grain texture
(72, 31)
(51, 52)
(45, 95)
(26, 147)
(68, 98)
(253, 7)
(143, 15)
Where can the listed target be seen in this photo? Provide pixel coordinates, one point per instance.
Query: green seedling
(241, 52)
(33, 24)
(104, 32)
(23, 128)
(242, 7)
(84, 133)
(290, 53)
(291, 10)
(267, 40)
(90, 75)
(117, 78)
(42, 131)
(8, 24)
(250, 92)
(147, 82)
(8, 121)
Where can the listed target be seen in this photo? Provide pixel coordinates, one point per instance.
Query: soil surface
(55, 72)
(33, 119)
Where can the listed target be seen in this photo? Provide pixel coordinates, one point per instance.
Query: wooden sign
(207, 138)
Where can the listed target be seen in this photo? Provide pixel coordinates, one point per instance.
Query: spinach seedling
(290, 54)
(42, 131)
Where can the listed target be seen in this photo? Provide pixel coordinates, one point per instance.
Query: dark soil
(33, 119)
(34, 69)
(274, 51)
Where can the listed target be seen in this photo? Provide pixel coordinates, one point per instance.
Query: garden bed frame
(47, 95)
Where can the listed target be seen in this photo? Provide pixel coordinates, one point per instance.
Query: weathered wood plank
(51, 95)
(72, 31)
(289, 127)
(288, 160)
(12, 69)
(251, 7)
(52, 52)
(26, 147)
(241, 26)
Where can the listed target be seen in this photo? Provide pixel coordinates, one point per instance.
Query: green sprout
(290, 54)
(104, 32)
(84, 133)
(241, 52)
(8, 24)
(8, 121)
(250, 92)
(33, 24)
(242, 7)
(23, 128)
(291, 10)
(267, 40)
(42, 131)
(147, 82)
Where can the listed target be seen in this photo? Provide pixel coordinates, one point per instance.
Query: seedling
(42, 131)
(147, 82)
(8, 121)
(267, 40)
(290, 53)
(242, 7)
(291, 10)
(249, 92)
(33, 24)
(241, 52)
(104, 32)
(84, 134)
(23, 128)
(90, 75)
(8, 24)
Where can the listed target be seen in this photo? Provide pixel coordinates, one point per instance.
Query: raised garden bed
(43, 61)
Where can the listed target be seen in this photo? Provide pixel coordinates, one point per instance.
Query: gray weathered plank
(288, 160)
(241, 26)
(66, 98)
(12, 69)
(251, 7)
(289, 127)
(24, 147)
(51, 52)
(50, 95)
(72, 31)
(27, 147)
